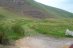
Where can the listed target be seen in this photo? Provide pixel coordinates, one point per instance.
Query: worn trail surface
(43, 42)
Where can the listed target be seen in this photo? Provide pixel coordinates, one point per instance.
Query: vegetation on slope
(34, 9)
(14, 26)
(51, 11)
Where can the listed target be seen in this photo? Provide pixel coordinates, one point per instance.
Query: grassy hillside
(53, 12)
(31, 8)
(11, 25)
(14, 26)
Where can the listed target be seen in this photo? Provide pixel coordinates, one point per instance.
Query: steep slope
(34, 9)
(15, 25)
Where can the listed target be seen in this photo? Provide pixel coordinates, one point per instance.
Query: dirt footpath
(43, 42)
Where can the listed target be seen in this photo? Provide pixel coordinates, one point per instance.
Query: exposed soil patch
(43, 42)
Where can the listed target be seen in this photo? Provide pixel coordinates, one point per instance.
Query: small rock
(71, 46)
(67, 45)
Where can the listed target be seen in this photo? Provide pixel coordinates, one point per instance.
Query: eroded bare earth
(43, 42)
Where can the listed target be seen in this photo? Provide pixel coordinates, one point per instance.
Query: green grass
(14, 27)
(11, 25)
(18, 27)
(49, 27)
(53, 27)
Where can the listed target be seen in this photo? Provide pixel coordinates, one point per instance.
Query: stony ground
(43, 42)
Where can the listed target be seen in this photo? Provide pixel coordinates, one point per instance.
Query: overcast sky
(62, 4)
